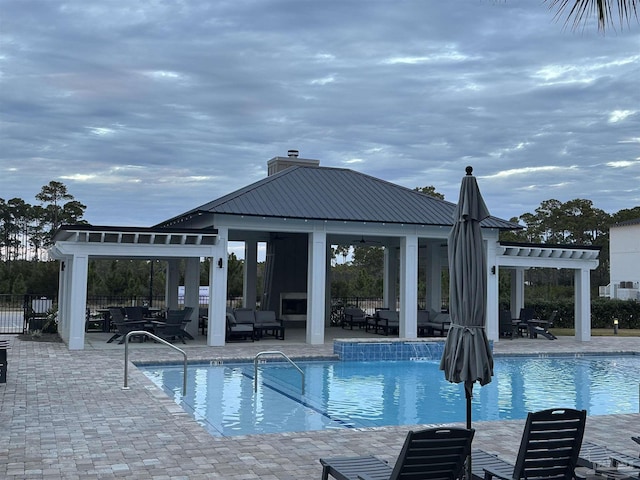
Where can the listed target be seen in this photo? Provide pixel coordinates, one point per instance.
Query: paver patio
(64, 414)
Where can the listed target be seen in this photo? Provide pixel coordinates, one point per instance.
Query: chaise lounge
(549, 447)
(434, 453)
(594, 456)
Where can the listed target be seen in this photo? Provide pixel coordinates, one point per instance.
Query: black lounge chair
(593, 456)
(173, 326)
(507, 329)
(435, 453)
(541, 327)
(548, 450)
(124, 326)
(522, 322)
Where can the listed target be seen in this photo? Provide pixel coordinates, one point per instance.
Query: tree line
(26, 232)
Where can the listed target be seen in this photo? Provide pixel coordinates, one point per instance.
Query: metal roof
(626, 223)
(337, 194)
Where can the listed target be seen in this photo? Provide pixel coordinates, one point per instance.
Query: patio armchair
(430, 322)
(354, 316)
(435, 453)
(235, 330)
(244, 315)
(266, 323)
(387, 321)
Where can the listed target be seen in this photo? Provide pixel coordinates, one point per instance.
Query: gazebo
(299, 210)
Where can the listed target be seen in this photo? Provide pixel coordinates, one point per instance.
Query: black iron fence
(22, 313)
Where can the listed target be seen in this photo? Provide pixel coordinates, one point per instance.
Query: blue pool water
(370, 394)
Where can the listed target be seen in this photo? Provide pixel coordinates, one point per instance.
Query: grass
(598, 332)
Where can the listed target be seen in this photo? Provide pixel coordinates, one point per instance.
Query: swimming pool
(372, 394)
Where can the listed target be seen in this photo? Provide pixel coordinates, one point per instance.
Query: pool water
(372, 394)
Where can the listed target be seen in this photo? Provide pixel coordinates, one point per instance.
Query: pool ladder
(157, 339)
(273, 352)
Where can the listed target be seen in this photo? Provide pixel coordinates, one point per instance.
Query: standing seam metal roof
(326, 193)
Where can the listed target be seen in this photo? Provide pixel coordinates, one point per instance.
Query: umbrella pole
(468, 390)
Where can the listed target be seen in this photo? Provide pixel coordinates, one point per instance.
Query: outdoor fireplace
(293, 307)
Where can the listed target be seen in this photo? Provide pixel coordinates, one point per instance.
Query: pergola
(75, 245)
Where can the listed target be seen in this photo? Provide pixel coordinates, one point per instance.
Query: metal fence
(21, 313)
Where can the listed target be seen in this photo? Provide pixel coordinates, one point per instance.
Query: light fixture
(220, 263)
(493, 270)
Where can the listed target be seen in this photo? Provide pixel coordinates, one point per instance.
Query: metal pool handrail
(273, 352)
(157, 339)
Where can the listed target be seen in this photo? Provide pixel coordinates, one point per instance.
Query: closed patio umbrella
(467, 355)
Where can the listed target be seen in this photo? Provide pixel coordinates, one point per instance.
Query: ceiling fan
(362, 241)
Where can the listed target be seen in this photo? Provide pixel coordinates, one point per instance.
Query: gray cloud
(147, 109)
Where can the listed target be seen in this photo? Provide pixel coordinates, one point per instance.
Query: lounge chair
(593, 456)
(134, 313)
(124, 326)
(549, 447)
(507, 328)
(436, 453)
(541, 327)
(203, 319)
(354, 316)
(186, 318)
(173, 326)
(522, 322)
(268, 324)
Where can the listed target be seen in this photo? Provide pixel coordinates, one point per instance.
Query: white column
(492, 312)
(192, 292)
(409, 286)
(64, 299)
(216, 327)
(582, 297)
(390, 278)
(434, 276)
(517, 292)
(316, 281)
(78, 304)
(173, 278)
(327, 288)
(250, 274)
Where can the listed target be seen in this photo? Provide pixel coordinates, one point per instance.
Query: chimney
(277, 164)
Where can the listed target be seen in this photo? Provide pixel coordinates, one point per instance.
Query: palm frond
(578, 12)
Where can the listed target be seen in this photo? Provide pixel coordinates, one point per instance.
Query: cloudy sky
(147, 108)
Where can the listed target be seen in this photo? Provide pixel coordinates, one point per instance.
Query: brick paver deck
(65, 415)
